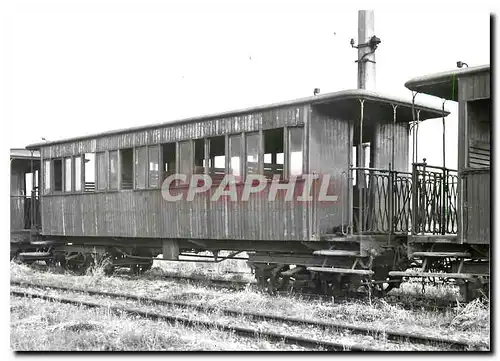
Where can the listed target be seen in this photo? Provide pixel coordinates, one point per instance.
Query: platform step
(292, 271)
(441, 254)
(336, 252)
(451, 238)
(436, 275)
(35, 255)
(337, 238)
(361, 272)
(42, 243)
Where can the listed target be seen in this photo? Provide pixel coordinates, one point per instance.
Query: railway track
(377, 334)
(408, 302)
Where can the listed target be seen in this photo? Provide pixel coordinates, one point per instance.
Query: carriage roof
(345, 102)
(19, 153)
(443, 84)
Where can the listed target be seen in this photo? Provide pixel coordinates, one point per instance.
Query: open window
(235, 159)
(29, 187)
(253, 146)
(141, 158)
(58, 175)
(169, 159)
(296, 151)
(154, 166)
(217, 157)
(68, 172)
(113, 169)
(199, 156)
(127, 168)
(47, 186)
(273, 152)
(89, 172)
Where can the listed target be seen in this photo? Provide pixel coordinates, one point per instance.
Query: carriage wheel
(80, 263)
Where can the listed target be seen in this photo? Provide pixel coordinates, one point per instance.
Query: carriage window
(168, 152)
(127, 168)
(113, 169)
(67, 175)
(154, 166)
(185, 156)
(199, 156)
(252, 153)
(58, 175)
(28, 184)
(273, 152)
(78, 174)
(89, 172)
(217, 159)
(141, 158)
(102, 170)
(46, 176)
(235, 155)
(296, 151)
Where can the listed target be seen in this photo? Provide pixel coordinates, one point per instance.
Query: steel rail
(390, 335)
(242, 331)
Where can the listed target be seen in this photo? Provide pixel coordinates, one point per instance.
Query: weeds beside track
(388, 335)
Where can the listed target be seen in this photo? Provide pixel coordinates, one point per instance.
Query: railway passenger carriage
(101, 195)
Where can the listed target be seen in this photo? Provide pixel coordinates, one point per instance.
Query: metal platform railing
(391, 202)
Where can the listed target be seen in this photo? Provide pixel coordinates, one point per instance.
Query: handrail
(379, 170)
(434, 167)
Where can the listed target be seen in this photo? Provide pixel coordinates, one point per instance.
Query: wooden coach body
(318, 133)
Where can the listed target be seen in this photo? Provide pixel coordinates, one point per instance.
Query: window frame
(46, 190)
(71, 172)
(287, 147)
(74, 162)
(148, 174)
(108, 163)
(53, 178)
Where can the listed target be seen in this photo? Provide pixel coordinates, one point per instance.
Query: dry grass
(38, 325)
(469, 323)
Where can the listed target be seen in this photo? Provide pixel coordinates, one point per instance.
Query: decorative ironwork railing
(381, 201)
(434, 199)
(386, 201)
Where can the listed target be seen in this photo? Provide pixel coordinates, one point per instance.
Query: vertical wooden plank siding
(329, 149)
(477, 207)
(144, 213)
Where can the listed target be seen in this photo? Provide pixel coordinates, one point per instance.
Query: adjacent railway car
(451, 216)
(24, 202)
(104, 195)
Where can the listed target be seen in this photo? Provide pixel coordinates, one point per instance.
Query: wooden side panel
(475, 86)
(329, 152)
(145, 214)
(382, 146)
(17, 212)
(477, 205)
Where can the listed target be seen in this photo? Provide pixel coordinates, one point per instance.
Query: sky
(74, 68)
